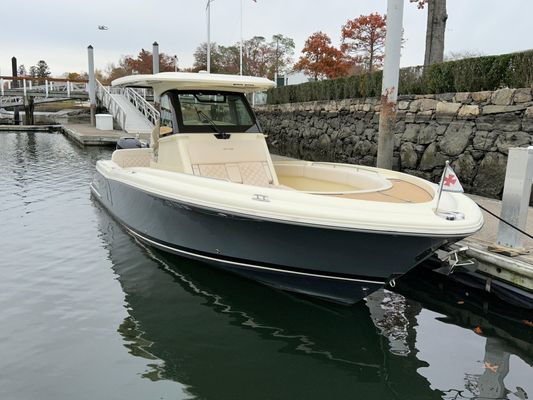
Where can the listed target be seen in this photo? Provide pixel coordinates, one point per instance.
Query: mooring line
(505, 222)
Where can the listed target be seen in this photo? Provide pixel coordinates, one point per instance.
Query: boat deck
(400, 192)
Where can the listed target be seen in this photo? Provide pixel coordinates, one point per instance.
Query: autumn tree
(200, 58)
(41, 70)
(229, 59)
(435, 29)
(363, 38)
(260, 56)
(321, 59)
(141, 64)
(283, 48)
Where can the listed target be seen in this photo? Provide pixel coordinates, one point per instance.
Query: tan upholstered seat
(239, 161)
(250, 173)
(129, 158)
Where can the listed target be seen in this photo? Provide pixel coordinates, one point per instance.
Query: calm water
(86, 312)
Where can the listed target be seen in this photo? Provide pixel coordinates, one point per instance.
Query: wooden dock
(29, 128)
(87, 135)
(81, 134)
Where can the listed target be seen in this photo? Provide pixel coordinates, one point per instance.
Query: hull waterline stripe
(95, 191)
(173, 249)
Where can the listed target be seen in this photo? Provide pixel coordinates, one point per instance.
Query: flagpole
(240, 54)
(209, 36)
(441, 184)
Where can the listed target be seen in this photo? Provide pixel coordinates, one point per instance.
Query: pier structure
(131, 108)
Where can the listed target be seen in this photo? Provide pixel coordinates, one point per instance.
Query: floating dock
(81, 134)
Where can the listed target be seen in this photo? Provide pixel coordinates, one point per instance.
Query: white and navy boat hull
(338, 264)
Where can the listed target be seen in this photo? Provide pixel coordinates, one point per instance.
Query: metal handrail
(116, 110)
(139, 102)
(142, 105)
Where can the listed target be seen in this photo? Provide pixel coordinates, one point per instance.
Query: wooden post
(16, 115)
(28, 110)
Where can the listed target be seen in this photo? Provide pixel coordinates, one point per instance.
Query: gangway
(130, 109)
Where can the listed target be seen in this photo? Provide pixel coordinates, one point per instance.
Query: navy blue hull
(336, 264)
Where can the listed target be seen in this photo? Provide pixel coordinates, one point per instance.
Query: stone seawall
(472, 130)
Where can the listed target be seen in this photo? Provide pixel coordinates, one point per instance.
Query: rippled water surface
(86, 312)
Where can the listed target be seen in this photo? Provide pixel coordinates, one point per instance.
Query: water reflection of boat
(508, 331)
(225, 337)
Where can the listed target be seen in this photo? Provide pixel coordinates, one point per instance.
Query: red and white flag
(450, 181)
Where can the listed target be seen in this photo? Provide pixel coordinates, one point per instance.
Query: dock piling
(155, 58)
(92, 85)
(16, 115)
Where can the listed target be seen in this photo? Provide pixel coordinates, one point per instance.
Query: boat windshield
(229, 111)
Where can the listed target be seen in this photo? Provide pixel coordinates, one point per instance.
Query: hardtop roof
(164, 81)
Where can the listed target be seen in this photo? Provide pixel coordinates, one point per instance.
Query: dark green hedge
(468, 75)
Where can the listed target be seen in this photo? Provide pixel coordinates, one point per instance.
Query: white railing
(118, 113)
(139, 102)
(11, 101)
(51, 85)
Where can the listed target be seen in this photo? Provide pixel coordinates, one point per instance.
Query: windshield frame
(205, 128)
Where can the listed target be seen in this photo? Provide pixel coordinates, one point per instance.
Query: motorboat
(207, 188)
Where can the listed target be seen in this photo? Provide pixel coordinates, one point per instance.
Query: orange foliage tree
(142, 64)
(322, 60)
(363, 38)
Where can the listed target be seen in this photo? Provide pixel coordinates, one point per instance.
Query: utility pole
(240, 52)
(389, 88)
(277, 59)
(92, 85)
(209, 36)
(155, 58)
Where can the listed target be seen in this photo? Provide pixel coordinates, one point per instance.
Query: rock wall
(472, 130)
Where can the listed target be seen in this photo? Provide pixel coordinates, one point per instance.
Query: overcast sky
(61, 32)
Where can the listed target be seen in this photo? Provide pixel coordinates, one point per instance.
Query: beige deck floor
(400, 192)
